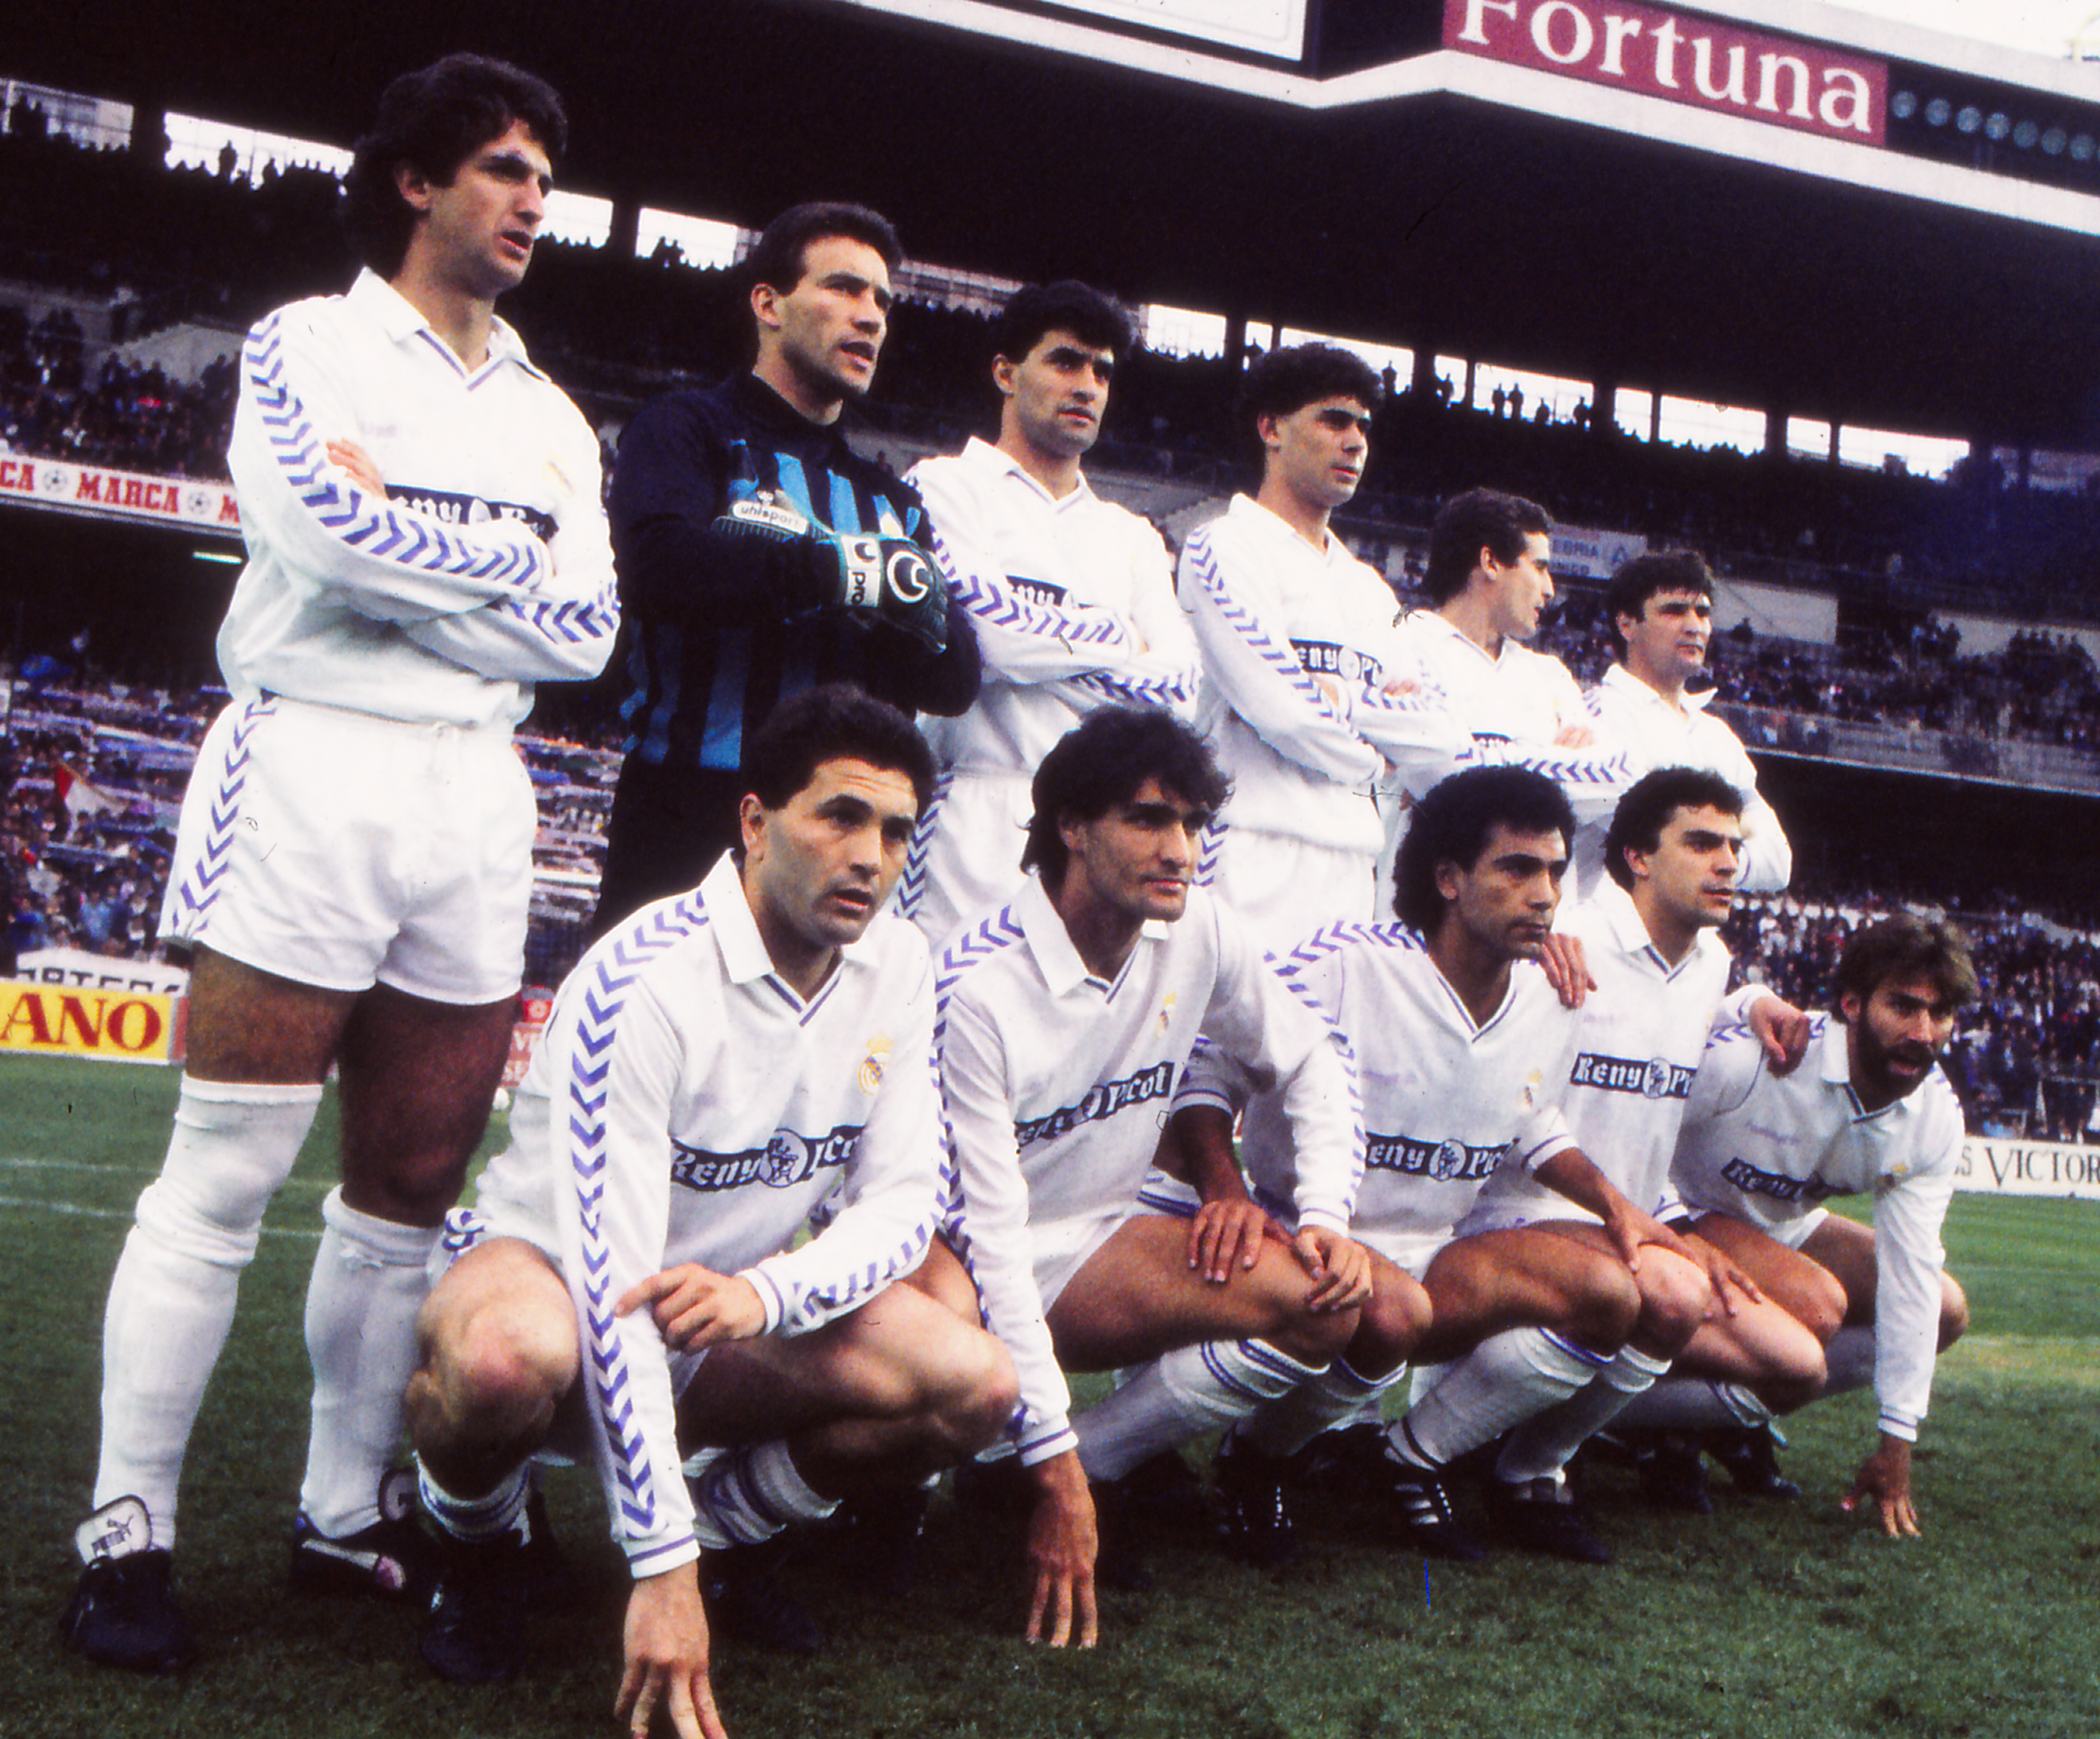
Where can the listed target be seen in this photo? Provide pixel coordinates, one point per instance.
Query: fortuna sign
(1781, 81)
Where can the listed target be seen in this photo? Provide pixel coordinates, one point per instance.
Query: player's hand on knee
(1731, 1287)
(1340, 1268)
(1224, 1235)
(1574, 736)
(666, 1647)
(694, 1307)
(1063, 1544)
(1782, 1029)
(364, 471)
(1567, 968)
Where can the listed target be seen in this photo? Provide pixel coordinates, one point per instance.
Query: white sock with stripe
(1694, 1404)
(750, 1494)
(1540, 1447)
(1181, 1395)
(370, 1278)
(1339, 1394)
(1506, 1379)
(478, 1521)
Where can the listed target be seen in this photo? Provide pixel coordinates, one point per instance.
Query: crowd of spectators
(2025, 1060)
(196, 244)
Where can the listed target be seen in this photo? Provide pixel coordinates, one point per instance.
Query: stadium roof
(1857, 221)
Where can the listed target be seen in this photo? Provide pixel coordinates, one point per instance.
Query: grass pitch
(1788, 1620)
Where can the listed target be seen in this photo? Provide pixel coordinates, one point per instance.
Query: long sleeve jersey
(720, 631)
(1298, 644)
(484, 566)
(1640, 1036)
(1055, 1084)
(1634, 720)
(1072, 599)
(1447, 1101)
(1768, 1149)
(686, 1104)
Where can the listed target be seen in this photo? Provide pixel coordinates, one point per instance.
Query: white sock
(370, 1277)
(1851, 1357)
(1540, 1447)
(1337, 1395)
(1503, 1382)
(1181, 1395)
(750, 1494)
(479, 1520)
(1695, 1404)
(171, 1299)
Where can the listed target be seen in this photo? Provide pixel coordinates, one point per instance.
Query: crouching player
(624, 1288)
(1463, 1051)
(1868, 1111)
(1066, 1018)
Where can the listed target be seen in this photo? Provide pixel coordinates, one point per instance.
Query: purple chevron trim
(370, 524)
(204, 879)
(1210, 850)
(997, 606)
(1280, 659)
(911, 885)
(589, 619)
(614, 967)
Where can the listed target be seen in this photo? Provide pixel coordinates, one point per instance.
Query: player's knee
(1604, 1305)
(1954, 1311)
(982, 1409)
(499, 1369)
(1389, 1323)
(1675, 1296)
(1820, 1305)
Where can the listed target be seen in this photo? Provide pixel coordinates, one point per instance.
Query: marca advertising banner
(104, 494)
(109, 1026)
(2006, 1167)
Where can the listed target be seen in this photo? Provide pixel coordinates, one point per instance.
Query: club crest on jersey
(1166, 1010)
(872, 1065)
(785, 1161)
(1651, 1078)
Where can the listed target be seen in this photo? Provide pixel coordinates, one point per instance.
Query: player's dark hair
(1638, 580)
(1907, 946)
(1467, 524)
(829, 723)
(1289, 379)
(1644, 811)
(1101, 761)
(433, 120)
(1037, 310)
(1451, 825)
(780, 257)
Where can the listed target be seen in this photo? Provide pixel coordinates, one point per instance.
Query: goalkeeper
(759, 555)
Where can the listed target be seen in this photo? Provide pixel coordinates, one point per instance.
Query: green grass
(1790, 1619)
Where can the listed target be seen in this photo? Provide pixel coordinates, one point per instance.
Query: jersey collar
(1616, 907)
(1621, 681)
(744, 953)
(1063, 971)
(979, 451)
(400, 320)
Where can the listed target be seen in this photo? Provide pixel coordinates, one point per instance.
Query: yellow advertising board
(69, 1020)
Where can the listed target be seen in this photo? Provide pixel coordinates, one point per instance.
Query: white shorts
(340, 849)
(966, 856)
(1062, 1248)
(1793, 1231)
(1285, 889)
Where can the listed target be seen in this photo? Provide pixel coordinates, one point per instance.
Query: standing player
(759, 555)
(1462, 1050)
(1065, 1019)
(1071, 597)
(1659, 971)
(1298, 646)
(1488, 579)
(1661, 611)
(354, 860)
(710, 1074)
(1870, 1111)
